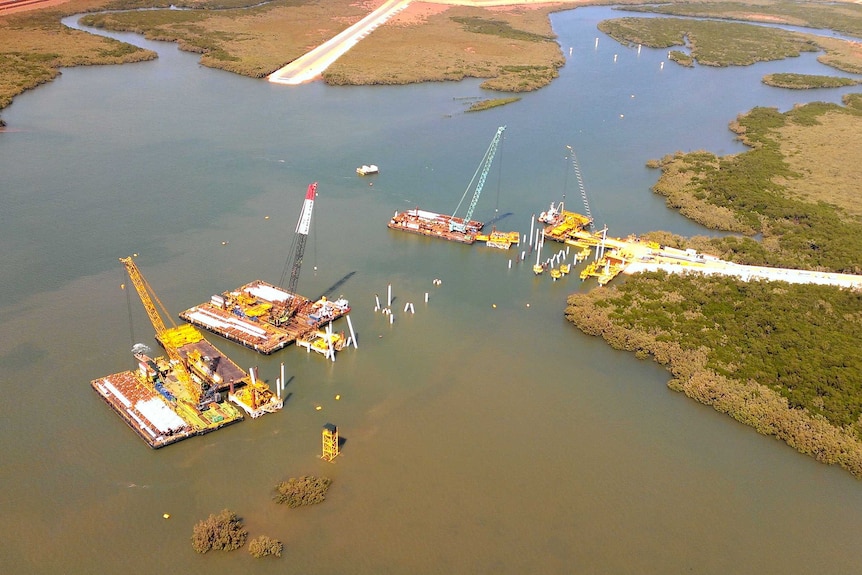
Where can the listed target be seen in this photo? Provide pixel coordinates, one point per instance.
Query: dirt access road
(311, 65)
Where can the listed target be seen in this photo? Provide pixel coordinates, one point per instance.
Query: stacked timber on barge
(264, 317)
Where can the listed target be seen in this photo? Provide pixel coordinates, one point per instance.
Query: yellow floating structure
(500, 240)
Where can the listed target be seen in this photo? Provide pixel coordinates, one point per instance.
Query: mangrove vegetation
(492, 103)
(796, 188)
(782, 358)
(263, 546)
(779, 357)
(711, 43)
(224, 531)
(305, 490)
(807, 81)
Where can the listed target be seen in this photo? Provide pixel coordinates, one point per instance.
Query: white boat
(364, 170)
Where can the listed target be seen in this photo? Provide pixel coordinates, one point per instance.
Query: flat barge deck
(264, 317)
(161, 407)
(158, 420)
(436, 225)
(446, 227)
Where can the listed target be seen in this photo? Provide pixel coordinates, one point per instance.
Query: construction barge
(264, 317)
(186, 393)
(463, 230)
(164, 402)
(436, 225)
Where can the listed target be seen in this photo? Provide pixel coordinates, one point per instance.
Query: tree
(262, 546)
(223, 531)
(306, 490)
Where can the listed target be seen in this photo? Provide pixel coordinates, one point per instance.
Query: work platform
(164, 403)
(158, 420)
(264, 317)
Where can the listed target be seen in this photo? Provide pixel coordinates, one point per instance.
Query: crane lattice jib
(302, 228)
(485, 167)
(297, 264)
(581, 185)
(148, 296)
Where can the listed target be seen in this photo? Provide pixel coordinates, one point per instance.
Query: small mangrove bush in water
(306, 490)
(223, 531)
(488, 104)
(262, 546)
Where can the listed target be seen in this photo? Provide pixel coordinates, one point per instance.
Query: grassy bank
(513, 49)
(796, 188)
(35, 45)
(806, 81)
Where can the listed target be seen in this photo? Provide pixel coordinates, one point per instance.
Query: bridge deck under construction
(264, 317)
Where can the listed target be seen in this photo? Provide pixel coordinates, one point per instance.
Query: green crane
(484, 166)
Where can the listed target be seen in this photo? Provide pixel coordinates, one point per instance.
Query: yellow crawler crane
(171, 338)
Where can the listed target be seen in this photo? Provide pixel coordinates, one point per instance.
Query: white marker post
(352, 334)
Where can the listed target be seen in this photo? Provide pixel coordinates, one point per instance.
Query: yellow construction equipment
(170, 338)
(330, 442)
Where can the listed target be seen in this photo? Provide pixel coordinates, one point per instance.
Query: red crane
(298, 248)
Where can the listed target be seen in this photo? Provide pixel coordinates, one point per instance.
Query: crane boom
(302, 228)
(147, 295)
(149, 300)
(485, 166)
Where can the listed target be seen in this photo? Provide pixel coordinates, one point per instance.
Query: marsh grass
(515, 51)
(844, 17)
(806, 81)
(778, 357)
(796, 187)
(488, 104)
(34, 45)
(711, 43)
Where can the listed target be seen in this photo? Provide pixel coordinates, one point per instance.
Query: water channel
(483, 433)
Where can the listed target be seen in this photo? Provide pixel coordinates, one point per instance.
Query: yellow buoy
(167, 515)
(318, 407)
(337, 397)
